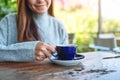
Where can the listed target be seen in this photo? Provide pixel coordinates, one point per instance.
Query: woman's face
(39, 6)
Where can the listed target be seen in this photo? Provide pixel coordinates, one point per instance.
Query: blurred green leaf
(6, 7)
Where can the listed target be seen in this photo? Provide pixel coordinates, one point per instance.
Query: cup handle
(55, 54)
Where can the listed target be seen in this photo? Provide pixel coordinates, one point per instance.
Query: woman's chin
(41, 12)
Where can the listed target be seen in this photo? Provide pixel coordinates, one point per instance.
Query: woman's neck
(41, 19)
(37, 16)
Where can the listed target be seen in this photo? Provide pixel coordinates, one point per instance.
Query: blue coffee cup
(66, 52)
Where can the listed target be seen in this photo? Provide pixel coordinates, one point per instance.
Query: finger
(48, 46)
(38, 58)
(46, 52)
(51, 48)
(51, 45)
(40, 53)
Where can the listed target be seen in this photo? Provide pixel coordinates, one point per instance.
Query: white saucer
(65, 62)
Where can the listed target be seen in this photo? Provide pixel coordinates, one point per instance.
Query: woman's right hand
(43, 50)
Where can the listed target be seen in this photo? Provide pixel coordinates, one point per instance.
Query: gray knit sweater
(51, 31)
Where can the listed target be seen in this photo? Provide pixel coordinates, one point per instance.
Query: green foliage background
(6, 7)
(83, 22)
(80, 21)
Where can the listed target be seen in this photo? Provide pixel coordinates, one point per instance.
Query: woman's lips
(41, 5)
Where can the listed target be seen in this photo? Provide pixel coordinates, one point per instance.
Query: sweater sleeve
(18, 52)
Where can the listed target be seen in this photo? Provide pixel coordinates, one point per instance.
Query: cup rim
(68, 45)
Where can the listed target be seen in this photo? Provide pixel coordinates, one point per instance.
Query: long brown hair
(27, 29)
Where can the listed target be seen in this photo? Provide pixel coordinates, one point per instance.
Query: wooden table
(95, 66)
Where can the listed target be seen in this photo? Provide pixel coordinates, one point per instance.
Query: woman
(31, 34)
